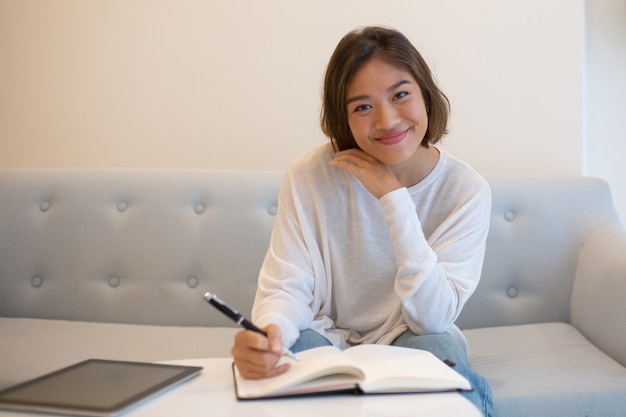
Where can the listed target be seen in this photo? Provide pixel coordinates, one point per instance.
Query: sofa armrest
(598, 303)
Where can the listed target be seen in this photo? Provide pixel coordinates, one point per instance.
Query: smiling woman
(393, 51)
(379, 235)
(388, 120)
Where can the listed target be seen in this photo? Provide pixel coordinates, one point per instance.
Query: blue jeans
(443, 345)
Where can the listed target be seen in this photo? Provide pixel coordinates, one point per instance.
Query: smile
(392, 138)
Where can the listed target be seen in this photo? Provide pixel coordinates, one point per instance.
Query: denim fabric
(444, 346)
(309, 339)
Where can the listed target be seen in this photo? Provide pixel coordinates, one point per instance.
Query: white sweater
(361, 270)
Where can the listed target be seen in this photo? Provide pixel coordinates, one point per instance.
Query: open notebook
(359, 369)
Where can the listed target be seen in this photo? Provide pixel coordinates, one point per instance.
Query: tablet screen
(94, 387)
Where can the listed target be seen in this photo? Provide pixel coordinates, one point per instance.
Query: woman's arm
(436, 276)
(287, 277)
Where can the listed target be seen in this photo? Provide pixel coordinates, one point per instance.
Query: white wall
(606, 96)
(219, 84)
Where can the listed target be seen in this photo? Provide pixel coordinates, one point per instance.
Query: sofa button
(199, 209)
(512, 292)
(192, 282)
(122, 206)
(44, 206)
(509, 216)
(114, 281)
(36, 282)
(272, 210)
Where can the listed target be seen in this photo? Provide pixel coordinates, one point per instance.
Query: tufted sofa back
(132, 246)
(142, 246)
(538, 226)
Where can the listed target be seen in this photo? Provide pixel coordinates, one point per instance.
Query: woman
(379, 236)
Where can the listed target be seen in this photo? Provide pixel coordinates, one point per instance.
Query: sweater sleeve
(286, 280)
(437, 275)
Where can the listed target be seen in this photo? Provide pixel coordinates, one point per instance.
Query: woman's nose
(386, 117)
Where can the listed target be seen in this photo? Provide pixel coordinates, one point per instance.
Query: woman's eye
(400, 95)
(362, 107)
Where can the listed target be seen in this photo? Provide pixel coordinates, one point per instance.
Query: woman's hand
(256, 356)
(377, 177)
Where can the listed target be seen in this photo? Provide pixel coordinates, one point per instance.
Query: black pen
(235, 316)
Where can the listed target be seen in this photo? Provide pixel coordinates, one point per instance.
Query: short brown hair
(353, 51)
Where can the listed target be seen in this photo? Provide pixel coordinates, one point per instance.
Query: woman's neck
(417, 167)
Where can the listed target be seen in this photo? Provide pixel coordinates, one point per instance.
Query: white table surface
(212, 394)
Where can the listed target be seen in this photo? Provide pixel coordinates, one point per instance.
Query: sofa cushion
(32, 347)
(547, 369)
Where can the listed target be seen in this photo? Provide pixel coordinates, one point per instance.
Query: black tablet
(95, 387)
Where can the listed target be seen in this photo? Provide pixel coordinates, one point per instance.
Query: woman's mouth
(392, 138)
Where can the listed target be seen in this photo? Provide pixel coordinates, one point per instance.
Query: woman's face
(386, 112)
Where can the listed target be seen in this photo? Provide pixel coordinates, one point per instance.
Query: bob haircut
(356, 49)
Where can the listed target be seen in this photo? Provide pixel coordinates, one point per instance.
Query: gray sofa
(112, 263)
